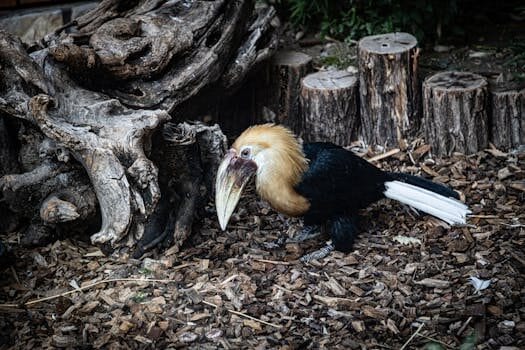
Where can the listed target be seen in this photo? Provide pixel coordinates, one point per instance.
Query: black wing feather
(338, 183)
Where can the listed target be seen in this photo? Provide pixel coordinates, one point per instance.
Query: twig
(517, 257)
(15, 275)
(435, 340)
(412, 337)
(243, 315)
(36, 301)
(384, 155)
(483, 216)
(464, 326)
(273, 262)
(383, 346)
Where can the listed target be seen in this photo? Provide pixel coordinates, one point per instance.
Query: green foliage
(517, 61)
(469, 343)
(145, 271)
(139, 297)
(339, 56)
(352, 19)
(434, 346)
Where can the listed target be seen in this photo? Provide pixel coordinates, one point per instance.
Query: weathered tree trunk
(284, 82)
(454, 112)
(388, 88)
(8, 165)
(94, 96)
(329, 107)
(508, 118)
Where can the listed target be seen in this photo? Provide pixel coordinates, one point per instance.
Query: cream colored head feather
(280, 165)
(277, 144)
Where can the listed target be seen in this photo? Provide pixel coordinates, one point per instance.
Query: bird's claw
(308, 232)
(318, 254)
(277, 243)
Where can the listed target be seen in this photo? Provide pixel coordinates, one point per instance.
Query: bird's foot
(276, 243)
(318, 254)
(308, 232)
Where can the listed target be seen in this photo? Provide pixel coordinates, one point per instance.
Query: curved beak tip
(233, 174)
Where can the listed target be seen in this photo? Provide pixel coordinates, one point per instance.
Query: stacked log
(454, 112)
(508, 118)
(329, 107)
(388, 88)
(284, 81)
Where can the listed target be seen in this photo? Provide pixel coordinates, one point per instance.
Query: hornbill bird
(321, 182)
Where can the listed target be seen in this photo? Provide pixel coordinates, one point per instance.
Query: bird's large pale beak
(233, 174)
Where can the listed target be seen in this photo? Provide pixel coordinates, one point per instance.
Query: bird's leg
(343, 231)
(276, 243)
(318, 254)
(308, 232)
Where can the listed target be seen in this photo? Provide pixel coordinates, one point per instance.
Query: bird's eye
(245, 153)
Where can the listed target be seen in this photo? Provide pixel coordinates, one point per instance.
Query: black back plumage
(338, 183)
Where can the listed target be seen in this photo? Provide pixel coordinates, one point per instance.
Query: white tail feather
(447, 209)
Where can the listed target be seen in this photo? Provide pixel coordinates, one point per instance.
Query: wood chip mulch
(407, 285)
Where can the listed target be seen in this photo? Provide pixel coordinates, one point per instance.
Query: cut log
(329, 107)
(508, 118)
(388, 88)
(455, 113)
(284, 83)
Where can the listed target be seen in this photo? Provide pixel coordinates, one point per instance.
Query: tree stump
(284, 82)
(388, 88)
(329, 107)
(89, 103)
(454, 112)
(508, 118)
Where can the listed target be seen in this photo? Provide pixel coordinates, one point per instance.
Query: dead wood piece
(188, 159)
(153, 38)
(184, 46)
(120, 135)
(388, 88)
(507, 118)
(329, 107)
(8, 148)
(55, 210)
(69, 204)
(262, 33)
(433, 283)
(190, 164)
(183, 151)
(284, 83)
(15, 182)
(96, 90)
(20, 77)
(9, 164)
(455, 113)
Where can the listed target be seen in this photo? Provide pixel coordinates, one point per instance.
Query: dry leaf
(253, 324)
(407, 240)
(479, 284)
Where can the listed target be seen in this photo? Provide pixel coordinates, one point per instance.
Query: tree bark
(92, 98)
(388, 88)
(329, 107)
(284, 83)
(508, 118)
(455, 112)
(8, 165)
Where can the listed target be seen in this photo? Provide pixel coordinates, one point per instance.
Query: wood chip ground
(406, 284)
